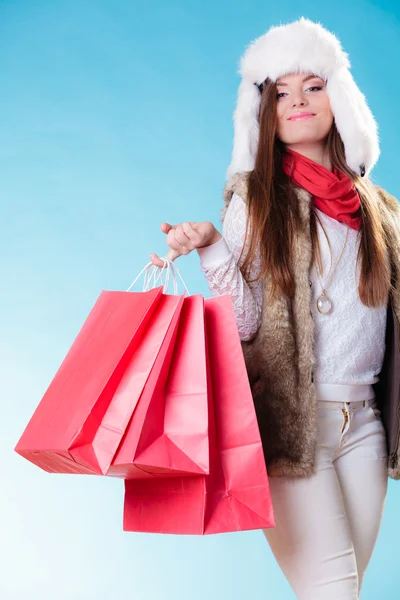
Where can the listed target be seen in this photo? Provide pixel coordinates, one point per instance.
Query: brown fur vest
(280, 358)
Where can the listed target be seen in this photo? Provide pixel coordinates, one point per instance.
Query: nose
(299, 103)
(299, 99)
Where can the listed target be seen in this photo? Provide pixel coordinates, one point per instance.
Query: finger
(176, 245)
(172, 254)
(191, 233)
(157, 261)
(187, 236)
(166, 227)
(180, 236)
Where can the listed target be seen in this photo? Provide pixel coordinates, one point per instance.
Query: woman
(310, 254)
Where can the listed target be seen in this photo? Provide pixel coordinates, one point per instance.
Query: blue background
(117, 116)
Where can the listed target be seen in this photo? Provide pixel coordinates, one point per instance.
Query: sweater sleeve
(220, 264)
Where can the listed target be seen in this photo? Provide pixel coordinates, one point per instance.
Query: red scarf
(333, 193)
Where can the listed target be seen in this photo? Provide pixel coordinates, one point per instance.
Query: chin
(303, 138)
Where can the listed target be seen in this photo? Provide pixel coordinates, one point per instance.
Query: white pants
(327, 524)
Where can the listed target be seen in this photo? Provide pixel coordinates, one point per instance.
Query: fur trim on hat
(302, 47)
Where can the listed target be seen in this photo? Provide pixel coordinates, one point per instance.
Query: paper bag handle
(171, 268)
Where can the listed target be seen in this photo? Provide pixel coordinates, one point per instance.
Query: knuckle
(182, 238)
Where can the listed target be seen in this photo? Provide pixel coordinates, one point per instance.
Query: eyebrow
(304, 80)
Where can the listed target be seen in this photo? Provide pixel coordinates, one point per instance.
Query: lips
(300, 116)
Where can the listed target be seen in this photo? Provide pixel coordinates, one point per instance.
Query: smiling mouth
(301, 117)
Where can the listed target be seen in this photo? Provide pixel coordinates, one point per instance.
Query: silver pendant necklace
(324, 303)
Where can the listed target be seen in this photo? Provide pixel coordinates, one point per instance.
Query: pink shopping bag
(235, 495)
(80, 421)
(168, 431)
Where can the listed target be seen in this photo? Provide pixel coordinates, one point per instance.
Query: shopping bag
(73, 430)
(168, 431)
(235, 495)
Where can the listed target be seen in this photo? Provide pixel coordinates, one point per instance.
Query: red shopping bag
(168, 432)
(235, 495)
(74, 430)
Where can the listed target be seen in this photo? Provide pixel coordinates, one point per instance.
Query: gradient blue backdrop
(116, 116)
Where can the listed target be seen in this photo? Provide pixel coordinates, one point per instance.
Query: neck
(314, 152)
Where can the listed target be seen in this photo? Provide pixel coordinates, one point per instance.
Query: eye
(313, 87)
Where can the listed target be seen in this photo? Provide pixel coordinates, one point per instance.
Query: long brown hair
(274, 215)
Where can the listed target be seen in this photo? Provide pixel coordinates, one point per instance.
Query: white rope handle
(169, 270)
(181, 278)
(135, 280)
(173, 269)
(151, 271)
(149, 275)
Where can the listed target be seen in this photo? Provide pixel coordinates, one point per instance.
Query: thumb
(166, 227)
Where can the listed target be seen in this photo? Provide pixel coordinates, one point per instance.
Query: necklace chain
(324, 303)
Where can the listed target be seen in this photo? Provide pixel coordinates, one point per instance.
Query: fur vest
(280, 358)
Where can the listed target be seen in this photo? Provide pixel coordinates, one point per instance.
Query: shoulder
(235, 211)
(389, 209)
(235, 191)
(238, 184)
(388, 200)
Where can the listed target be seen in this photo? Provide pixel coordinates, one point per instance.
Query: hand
(185, 237)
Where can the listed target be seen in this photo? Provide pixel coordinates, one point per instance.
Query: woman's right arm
(220, 264)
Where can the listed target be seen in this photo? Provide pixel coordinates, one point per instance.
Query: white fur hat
(303, 46)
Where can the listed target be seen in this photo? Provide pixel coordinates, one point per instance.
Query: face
(306, 94)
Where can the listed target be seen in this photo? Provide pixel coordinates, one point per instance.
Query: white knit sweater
(349, 342)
